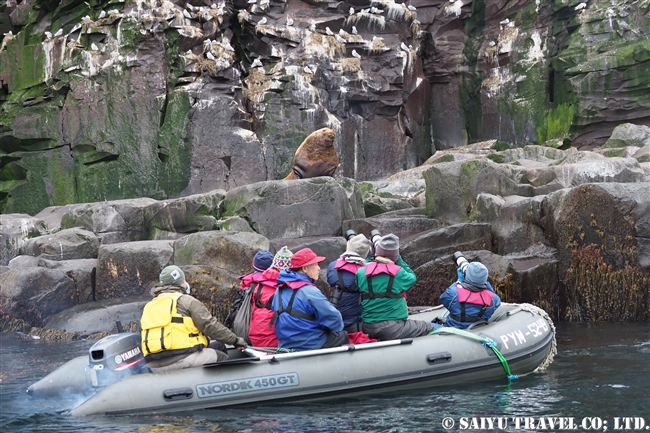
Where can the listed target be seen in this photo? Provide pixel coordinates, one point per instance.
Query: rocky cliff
(114, 99)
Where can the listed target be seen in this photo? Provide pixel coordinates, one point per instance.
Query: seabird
(354, 30)
(328, 31)
(186, 14)
(308, 70)
(411, 8)
(504, 22)
(312, 27)
(510, 24)
(47, 35)
(404, 47)
(58, 33)
(351, 11)
(492, 43)
(113, 11)
(355, 54)
(9, 33)
(252, 1)
(188, 52)
(262, 21)
(102, 14)
(340, 39)
(374, 10)
(365, 11)
(256, 63)
(289, 21)
(581, 6)
(93, 47)
(189, 6)
(210, 56)
(213, 6)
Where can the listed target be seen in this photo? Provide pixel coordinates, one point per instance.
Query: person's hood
(159, 289)
(289, 276)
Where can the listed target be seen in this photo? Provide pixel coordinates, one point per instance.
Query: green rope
(484, 341)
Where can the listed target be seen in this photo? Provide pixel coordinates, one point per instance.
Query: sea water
(599, 381)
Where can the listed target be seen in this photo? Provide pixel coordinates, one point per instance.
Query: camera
(350, 234)
(461, 261)
(335, 295)
(375, 235)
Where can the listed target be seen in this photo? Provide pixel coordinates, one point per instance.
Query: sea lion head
(316, 156)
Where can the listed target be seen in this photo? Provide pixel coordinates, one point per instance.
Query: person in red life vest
(260, 334)
(344, 294)
(304, 318)
(383, 283)
(176, 327)
(471, 298)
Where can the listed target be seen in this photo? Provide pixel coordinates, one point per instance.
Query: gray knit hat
(388, 246)
(172, 276)
(359, 244)
(476, 274)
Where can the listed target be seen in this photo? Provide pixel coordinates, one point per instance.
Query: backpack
(239, 317)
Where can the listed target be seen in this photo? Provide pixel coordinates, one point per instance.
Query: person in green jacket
(383, 284)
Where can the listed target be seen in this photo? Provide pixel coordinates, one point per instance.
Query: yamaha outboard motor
(115, 357)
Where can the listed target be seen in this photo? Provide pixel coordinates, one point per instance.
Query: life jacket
(341, 265)
(165, 332)
(294, 285)
(482, 298)
(375, 268)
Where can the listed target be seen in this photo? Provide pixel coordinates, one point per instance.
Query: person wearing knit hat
(185, 324)
(344, 294)
(260, 334)
(304, 319)
(383, 284)
(471, 298)
(282, 259)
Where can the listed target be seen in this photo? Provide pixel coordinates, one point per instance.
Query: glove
(240, 343)
(461, 275)
(438, 321)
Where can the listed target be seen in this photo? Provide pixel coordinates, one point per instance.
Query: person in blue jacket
(341, 276)
(304, 318)
(471, 298)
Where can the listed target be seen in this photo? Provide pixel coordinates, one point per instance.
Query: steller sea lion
(316, 156)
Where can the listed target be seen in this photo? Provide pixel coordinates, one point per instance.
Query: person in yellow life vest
(176, 327)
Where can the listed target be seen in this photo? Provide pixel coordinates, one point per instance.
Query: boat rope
(487, 342)
(272, 349)
(551, 354)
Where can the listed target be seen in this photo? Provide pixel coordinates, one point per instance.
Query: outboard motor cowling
(114, 357)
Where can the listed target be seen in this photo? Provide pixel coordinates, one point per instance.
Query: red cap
(305, 257)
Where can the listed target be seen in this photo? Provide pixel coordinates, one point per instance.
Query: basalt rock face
(110, 99)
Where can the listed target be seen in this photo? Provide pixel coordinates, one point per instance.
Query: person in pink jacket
(260, 334)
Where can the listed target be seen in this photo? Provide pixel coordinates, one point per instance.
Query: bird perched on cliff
(404, 47)
(340, 39)
(376, 11)
(504, 22)
(351, 11)
(256, 63)
(262, 21)
(113, 11)
(58, 33)
(189, 6)
(329, 31)
(412, 8)
(102, 14)
(186, 14)
(355, 54)
(94, 47)
(492, 43)
(210, 56)
(251, 1)
(48, 35)
(308, 70)
(354, 30)
(289, 21)
(580, 6)
(312, 27)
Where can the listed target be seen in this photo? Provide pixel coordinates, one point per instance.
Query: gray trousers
(395, 329)
(196, 359)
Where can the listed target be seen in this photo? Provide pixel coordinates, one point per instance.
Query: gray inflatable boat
(518, 340)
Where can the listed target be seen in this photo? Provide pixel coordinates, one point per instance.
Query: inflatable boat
(113, 379)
